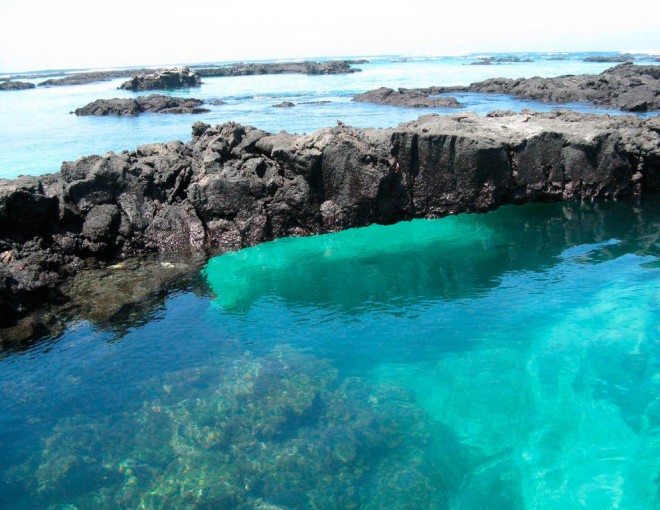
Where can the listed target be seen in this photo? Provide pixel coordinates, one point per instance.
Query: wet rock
(16, 85)
(484, 61)
(412, 98)
(284, 104)
(177, 77)
(153, 103)
(613, 58)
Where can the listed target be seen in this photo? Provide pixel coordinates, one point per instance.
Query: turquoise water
(508, 360)
(38, 132)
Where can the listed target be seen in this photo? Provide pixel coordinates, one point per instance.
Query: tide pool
(502, 360)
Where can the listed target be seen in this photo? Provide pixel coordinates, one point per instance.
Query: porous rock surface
(153, 103)
(411, 98)
(176, 77)
(233, 186)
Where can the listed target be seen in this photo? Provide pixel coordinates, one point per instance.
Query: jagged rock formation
(16, 85)
(153, 103)
(411, 98)
(233, 186)
(627, 87)
(177, 77)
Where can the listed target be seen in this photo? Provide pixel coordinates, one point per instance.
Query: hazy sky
(40, 34)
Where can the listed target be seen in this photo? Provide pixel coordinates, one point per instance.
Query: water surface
(502, 360)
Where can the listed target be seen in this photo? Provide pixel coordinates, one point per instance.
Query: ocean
(506, 360)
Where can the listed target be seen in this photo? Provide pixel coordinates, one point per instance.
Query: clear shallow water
(504, 360)
(37, 131)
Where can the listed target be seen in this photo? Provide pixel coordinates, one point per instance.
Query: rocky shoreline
(627, 87)
(410, 98)
(152, 103)
(233, 186)
(240, 69)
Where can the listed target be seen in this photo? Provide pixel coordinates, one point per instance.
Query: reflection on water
(505, 360)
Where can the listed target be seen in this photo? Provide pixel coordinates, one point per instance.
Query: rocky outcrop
(307, 67)
(16, 85)
(284, 104)
(233, 186)
(153, 103)
(177, 77)
(612, 59)
(627, 87)
(411, 98)
(485, 61)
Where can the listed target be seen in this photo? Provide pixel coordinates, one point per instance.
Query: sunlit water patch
(504, 360)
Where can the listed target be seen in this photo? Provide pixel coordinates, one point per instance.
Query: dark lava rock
(233, 186)
(91, 77)
(627, 87)
(177, 77)
(285, 104)
(412, 98)
(484, 61)
(153, 103)
(16, 85)
(218, 102)
(307, 67)
(612, 59)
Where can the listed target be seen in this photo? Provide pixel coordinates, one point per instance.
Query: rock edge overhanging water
(234, 186)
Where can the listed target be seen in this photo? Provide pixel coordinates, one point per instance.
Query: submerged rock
(153, 103)
(278, 431)
(176, 77)
(16, 85)
(233, 186)
(284, 104)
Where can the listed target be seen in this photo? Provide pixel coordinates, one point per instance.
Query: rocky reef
(271, 432)
(16, 85)
(307, 67)
(153, 103)
(486, 61)
(627, 87)
(176, 77)
(411, 98)
(233, 186)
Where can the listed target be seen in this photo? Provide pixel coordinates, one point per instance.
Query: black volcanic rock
(16, 85)
(484, 61)
(612, 59)
(177, 77)
(627, 87)
(412, 98)
(233, 186)
(307, 67)
(153, 103)
(284, 104)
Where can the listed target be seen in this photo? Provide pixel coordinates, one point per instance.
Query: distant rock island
(153, 103)
(240, 69)
(163, 79)
(309, 67)
(16, 85)
(627, 87)
(485, 61)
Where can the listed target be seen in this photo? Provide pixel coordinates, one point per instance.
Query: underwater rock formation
(233, 186)
(271, 432)
(153, 103)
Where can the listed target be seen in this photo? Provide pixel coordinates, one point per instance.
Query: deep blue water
(508, 360)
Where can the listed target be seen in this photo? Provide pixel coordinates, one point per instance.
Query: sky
(60, 34)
